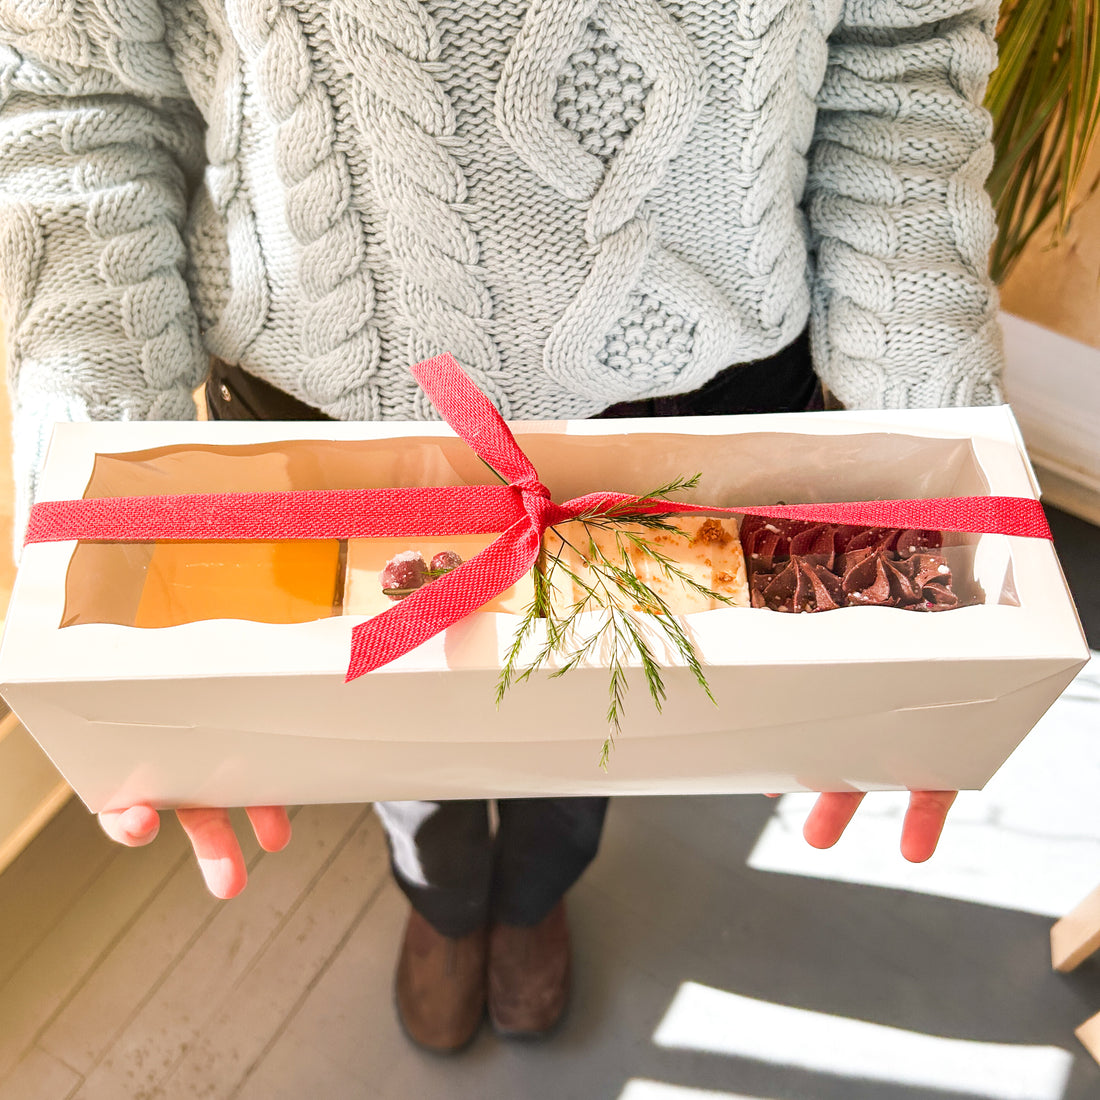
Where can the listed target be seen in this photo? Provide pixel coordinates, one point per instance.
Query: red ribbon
(522, 509)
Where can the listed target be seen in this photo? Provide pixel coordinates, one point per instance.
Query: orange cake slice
(289, 581)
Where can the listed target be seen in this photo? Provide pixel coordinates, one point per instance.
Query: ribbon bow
(522, 509)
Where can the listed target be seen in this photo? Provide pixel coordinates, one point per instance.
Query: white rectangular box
(228, 712)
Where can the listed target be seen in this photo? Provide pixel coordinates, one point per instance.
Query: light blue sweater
(586, 201)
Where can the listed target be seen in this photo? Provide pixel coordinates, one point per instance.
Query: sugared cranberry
(404, 573)
(445, 561)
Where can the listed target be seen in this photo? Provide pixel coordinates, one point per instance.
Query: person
(599, 206)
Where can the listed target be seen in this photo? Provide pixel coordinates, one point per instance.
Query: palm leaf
(1045, 101)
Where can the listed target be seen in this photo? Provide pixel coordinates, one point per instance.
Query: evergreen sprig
(609, 585)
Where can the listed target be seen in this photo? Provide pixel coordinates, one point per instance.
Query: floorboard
(192, 993)
(36, 893)
(39, 1076)
(64, 959)
(235, 1041)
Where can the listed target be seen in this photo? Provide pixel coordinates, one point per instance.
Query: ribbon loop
(474, 418)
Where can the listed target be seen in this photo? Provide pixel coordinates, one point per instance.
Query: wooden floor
(121, 979)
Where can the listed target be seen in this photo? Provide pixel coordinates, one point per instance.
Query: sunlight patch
(641, 1088)
(712, 1020)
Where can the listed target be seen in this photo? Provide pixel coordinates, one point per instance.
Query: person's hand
(919, 835)
(212, 837)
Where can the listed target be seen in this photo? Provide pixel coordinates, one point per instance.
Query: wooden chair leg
(1089, 1034)
(1077, 935)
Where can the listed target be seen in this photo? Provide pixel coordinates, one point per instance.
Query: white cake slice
(706, 550)
(367, 558)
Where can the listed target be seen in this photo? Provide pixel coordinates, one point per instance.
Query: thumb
(134, 827)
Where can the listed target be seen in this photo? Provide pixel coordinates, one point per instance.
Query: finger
(271, 826)
(924, 823)
(135, 827)
(216, 849)
(830, 816)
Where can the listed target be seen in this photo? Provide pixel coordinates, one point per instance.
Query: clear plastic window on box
(152, 585)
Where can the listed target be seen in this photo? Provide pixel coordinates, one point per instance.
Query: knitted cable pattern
(629, 270)
(765, 78)
(340, 345)
(600, 97)
(904, 312)
(124, 42)
(91, 204)
(247, 305)
(601, 93)
(389, 54)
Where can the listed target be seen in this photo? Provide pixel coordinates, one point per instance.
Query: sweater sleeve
(99, 149)
(904, 313)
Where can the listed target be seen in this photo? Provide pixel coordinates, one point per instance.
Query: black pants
(453, 871)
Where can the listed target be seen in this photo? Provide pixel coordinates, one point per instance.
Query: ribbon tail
(474, 418)
(444, 601)
(296, 514)
(1022, 516)
(993, 515)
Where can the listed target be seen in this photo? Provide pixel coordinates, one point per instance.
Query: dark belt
(784, 382)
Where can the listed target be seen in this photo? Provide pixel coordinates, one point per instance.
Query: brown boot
(529, 975)
(440, 986)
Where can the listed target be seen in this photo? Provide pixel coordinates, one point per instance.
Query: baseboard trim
(31, 791)
(1053, 385)
(38, 817)
(1069, 490)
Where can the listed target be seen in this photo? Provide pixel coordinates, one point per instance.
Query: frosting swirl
(799, 566)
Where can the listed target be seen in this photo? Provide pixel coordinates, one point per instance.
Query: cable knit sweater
(586, 201)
